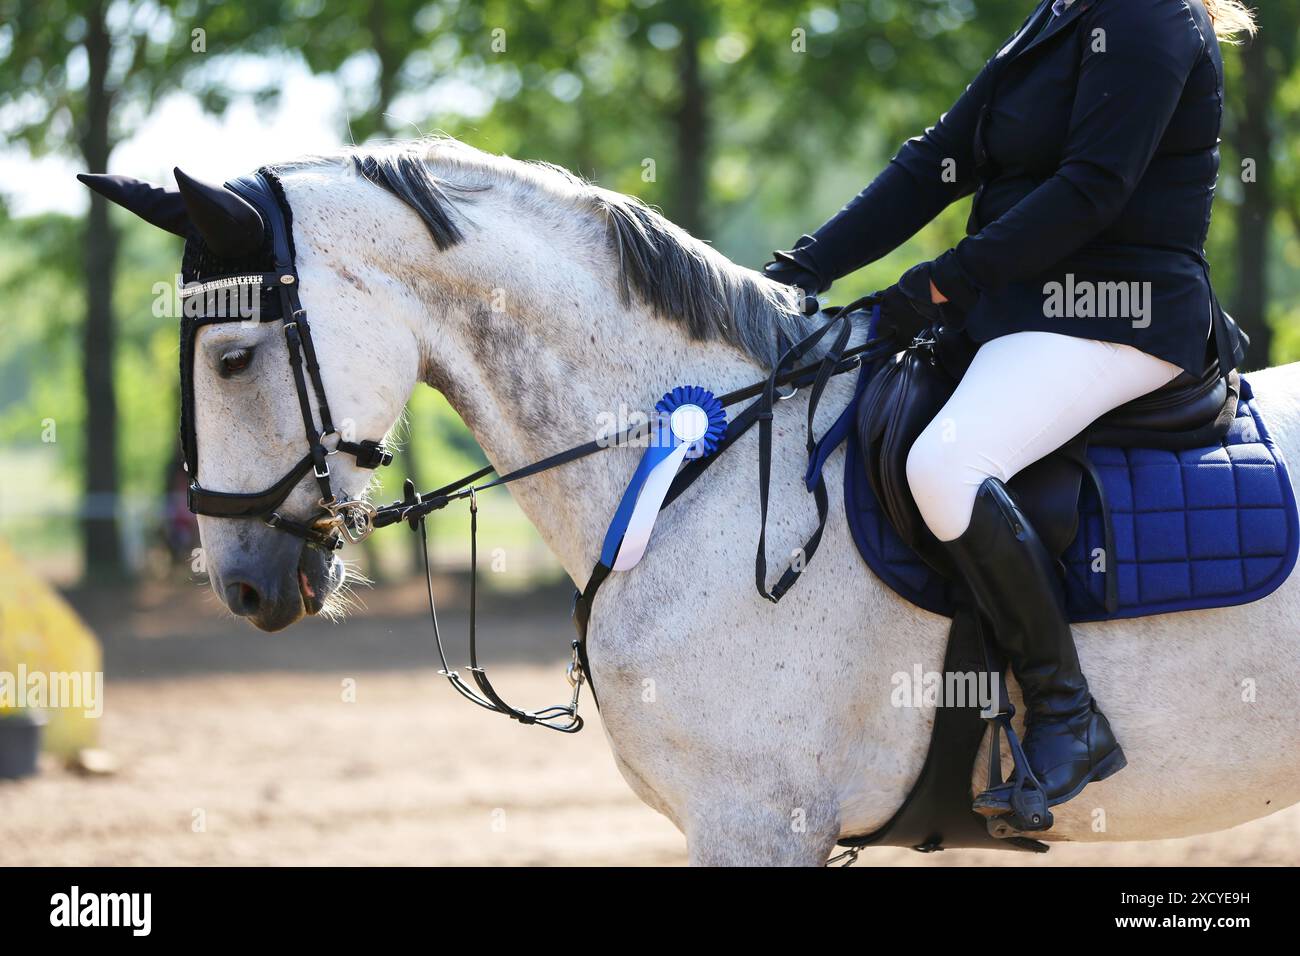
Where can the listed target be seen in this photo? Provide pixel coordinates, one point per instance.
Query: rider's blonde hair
(1231, 18)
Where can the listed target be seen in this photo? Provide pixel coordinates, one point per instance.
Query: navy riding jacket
(1090, 145)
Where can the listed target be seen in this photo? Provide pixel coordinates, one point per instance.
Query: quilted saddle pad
(1201, 528)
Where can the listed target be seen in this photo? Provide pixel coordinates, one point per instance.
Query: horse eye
(234, 362)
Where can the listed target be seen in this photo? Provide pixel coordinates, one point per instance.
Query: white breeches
(1024, 396)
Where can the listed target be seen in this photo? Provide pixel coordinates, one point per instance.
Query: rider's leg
(1024, 396)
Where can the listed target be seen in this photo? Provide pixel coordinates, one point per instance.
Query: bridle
(340, 519)
(337, 518)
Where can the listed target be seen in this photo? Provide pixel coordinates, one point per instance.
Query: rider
(1090, 144)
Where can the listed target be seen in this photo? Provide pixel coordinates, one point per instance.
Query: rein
(420, 505)
(415, 507)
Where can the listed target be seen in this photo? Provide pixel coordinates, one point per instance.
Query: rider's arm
(1138, 56)
(930, 172)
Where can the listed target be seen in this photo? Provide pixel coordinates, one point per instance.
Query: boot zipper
(1008, 510)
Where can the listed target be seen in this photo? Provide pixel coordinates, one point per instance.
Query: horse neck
(538, 353)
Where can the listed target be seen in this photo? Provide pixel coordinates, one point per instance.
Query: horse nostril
(243, 599)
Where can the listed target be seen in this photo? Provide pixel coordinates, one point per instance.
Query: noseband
(337, 519)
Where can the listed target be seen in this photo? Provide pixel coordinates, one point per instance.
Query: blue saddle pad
(1206, 527)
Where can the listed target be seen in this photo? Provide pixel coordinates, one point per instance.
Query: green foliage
(43, 60)
(780, 110)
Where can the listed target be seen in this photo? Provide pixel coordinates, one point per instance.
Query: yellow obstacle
(47, 655)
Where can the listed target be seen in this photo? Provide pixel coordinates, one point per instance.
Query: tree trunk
(690, 119)
(390, 65)
(1255, 142)
(101, 546)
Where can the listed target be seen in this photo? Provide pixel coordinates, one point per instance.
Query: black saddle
(1192, 411)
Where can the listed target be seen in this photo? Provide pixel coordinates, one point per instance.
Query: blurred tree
(366, 45)
(701, 107)
(69, 71)
(748, 121)
(1258, 138)
(1252, 135)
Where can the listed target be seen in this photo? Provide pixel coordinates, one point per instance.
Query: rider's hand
(908, 307)
(793, 274)
(925, 295)
(798, 268)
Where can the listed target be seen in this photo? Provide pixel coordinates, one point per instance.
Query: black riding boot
(1014, 583)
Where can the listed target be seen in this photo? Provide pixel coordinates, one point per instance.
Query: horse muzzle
(273, 579)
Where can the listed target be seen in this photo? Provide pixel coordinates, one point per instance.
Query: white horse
(765, 733)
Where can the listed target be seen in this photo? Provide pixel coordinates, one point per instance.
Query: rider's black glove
(797, 267)
(906, 309)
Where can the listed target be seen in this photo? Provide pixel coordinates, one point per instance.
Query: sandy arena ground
(237, 748)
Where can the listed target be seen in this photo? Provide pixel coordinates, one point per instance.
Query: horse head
(250, 421)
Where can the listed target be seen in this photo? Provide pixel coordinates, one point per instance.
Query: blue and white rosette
(689, 424)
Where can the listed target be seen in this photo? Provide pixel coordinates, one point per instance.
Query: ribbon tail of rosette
(623, 515)
(651, 498)
(687, 418)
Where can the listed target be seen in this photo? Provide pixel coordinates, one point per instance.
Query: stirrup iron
(1027, 799)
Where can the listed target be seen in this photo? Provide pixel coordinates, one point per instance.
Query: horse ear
(228, 223)
(157, 206)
